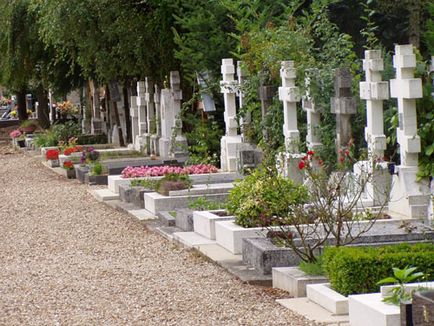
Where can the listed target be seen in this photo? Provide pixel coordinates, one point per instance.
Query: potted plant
(52, 157)
(69, 168)
(399, 295)
(95, 175)
(18, 137)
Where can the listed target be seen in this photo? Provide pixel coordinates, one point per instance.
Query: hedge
(355, 270)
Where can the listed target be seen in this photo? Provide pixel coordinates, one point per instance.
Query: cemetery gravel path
(66, 259)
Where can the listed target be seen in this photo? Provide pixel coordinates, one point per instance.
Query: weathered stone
(184, 219)
(81, 171)
(166, 218)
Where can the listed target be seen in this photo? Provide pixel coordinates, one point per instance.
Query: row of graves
(373, 186)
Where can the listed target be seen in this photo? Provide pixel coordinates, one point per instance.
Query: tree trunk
(43, 107)
(415, 7)
(127, 112)
(21, 104)
(117, 120)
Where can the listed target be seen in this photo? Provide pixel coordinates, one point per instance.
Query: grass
(313, 269)
(173, 213)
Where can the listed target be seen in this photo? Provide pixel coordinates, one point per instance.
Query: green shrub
(354, 270)
(263, 199)
(314, 268)
(92, 139)
(96, 168)
(203, 204)
(173, 181)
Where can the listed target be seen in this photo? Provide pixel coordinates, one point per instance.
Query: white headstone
(289, 94)
(313, 115)
(228, 86)
(408, 197)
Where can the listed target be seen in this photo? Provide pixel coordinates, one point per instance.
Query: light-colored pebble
(67, 259)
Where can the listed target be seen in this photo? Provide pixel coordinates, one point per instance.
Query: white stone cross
(313, 115)
(406, 89)
(141, 107)
(289, 94)
(374, 91)
(150, 107)
(229, 90)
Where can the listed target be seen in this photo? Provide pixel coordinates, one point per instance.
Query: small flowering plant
(66, 108)
(71, 146)
(52, 154)
(90, 155)
(68, 165)
(17, 134)
(154, 171)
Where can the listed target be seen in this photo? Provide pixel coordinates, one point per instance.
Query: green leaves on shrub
(263, 199)
(354, 270)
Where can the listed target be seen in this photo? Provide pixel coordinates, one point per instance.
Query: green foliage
(148, 183)
(173, 181)
(202, 35)
(96, 168)
(312, 268)
(354, 270)
(58, 133)
(263, 198)
(429, 34)
(91, 139)
(203, 204)
(400, 278)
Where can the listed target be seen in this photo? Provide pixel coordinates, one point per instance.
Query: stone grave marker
(313, 115)
(343, 105)
(374, 91)
(408, 197)
(228, 86)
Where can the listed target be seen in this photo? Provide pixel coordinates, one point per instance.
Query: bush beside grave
(264, 199)
(356, 270)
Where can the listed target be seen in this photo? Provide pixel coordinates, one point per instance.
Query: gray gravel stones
(67, 259)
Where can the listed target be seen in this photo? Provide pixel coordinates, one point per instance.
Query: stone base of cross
(288, 166)
(409, 198)
(377, 179)
(229, 154)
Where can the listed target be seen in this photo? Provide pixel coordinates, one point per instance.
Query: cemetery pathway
(67, 259)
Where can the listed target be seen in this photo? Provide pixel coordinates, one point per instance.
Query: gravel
(69, 260)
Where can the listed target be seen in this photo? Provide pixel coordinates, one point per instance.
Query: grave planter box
(166, 219)
(294, 280)
(263, 255)
(53, 163)
(137, 196)
(95, 179)
(326, 297)
(125, 193)
(70, 173)
(230, 235)
(204, 222)
(184, 219)
(154, 202)
(81, 171)
(369, 309)
(222, 177)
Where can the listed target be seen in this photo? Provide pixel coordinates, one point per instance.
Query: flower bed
(155, 171)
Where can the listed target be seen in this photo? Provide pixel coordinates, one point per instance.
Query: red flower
(52, 154)
(301, 165)
(320, 162)
(347, 152)
(340, 151)
(304, 158)
(341, 159)
(68, 151)
(68, 165)
(310, 153)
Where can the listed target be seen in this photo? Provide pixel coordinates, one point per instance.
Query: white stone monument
(289, 94)
(140, 143)
(408, 197)
(134, 114)
(155, 137)
(172, 143)
(228, 86)
(374, 91)
(150, 113)
(313, 115)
